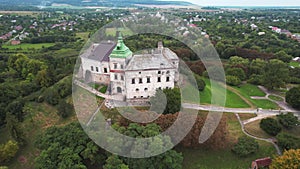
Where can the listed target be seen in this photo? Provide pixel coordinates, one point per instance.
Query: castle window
(97, 70)
(167, 79)
(122, 77)
(159, 72)
(116, 77)
(92, 68)
(148, 79)
(146, 89)
(122, 67)
(115, 66)
(142, 96)
(168, 72)
(132, 81)
(134, 97)
(137, 89)
(140, 80)
(158, 79)
(159, 88)
(105, 70)
(140, 72)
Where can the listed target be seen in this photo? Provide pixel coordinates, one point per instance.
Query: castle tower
(118, 61)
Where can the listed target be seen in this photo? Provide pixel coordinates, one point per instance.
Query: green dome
(121, 50)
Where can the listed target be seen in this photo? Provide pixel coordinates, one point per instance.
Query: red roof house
(261, 163)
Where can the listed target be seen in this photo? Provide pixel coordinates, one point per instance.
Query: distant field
(20, 12)
(83, 35)
(232, 100)
(27, 46)
(113, 31)
(295, 64)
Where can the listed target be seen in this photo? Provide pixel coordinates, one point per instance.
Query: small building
(296, 59)
(261, 33)
(15, 42)
(261, 163)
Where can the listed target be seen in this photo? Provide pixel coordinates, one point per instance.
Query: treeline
(50, 39)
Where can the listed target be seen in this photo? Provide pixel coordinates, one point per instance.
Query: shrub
(288, 120)
(287, 141)
(64, 109)
(233, 80)
(245, 146)
(293, 97)
(270, 126)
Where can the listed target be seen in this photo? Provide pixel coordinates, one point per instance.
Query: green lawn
(27, 46)
(221, 159)
(295, 64)
(248, 90)
(275, 98)
(232, 100)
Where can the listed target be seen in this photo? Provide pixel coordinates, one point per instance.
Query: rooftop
(100, 52)
(148, 62)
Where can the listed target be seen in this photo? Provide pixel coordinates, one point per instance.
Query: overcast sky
(246, 2)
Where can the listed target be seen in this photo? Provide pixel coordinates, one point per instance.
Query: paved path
(270, 140)
(261, 113)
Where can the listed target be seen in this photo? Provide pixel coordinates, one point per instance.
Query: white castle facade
(127, 75)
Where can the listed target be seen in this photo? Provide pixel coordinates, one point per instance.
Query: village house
(15, 42)
(127, 75)
(261, 163)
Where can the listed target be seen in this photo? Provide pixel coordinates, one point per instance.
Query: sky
(245, 2)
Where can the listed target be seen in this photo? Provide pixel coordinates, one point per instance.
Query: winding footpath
(261, 113)
(269, 140)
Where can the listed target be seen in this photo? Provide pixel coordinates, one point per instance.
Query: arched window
(119, 89)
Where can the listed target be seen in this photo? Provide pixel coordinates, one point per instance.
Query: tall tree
(289, 160)
(276, 74)
(293, 97)
(14, 128)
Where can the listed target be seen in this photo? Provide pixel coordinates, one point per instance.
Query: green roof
(121, 50)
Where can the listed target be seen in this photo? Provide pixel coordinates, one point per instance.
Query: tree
(238, 72)
(171, 105)
(233, 80)
(64, 109)
(170, 159)
(45, 77)
(58, 151)
(14, 128)
(281, 55)
(52, 96)
(8, 150)
(293, 97)
(114, 162)
(257, 67)
(270, 126)
(245, 146)
(289, 160)
(239, 62)
(200, 83)
(16, 108)
(287, 141)
(288, 120)
(276, 74)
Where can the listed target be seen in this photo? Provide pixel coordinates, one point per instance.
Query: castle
(127, 75)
